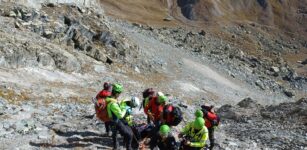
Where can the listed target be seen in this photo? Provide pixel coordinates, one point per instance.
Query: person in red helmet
(212, 121)
(106, 91)
(147, 96)
(100, 97)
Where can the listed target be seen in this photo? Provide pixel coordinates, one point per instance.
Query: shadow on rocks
(85, 139)
(70, 145)
(72, 133)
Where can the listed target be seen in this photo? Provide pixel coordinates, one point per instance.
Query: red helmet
(107, 86)
(148, 92)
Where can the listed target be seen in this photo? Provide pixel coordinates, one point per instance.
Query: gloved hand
(187, 142)
(150, 115)
(128, 110)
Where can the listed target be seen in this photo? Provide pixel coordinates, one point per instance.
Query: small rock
(168, 18)
(233, 144)
(12, 14)
(17, 25)
(19, 15)
(304, 62)
(202, 32)
(227, 47)
(289, 93)
(275, 69)
(47, 34)
(247, 103)
(260, 84)
(109, 60)
(136, 69)
(183, 105)
(6, 125)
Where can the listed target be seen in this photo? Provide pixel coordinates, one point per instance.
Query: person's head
(164, 131)
(199, 123)
(148, 92)
(208, 108)
(117, 89)
(161, 98)
(198, 113)
(107, 86)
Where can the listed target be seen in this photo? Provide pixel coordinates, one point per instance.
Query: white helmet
(135, 101)
(160, 94)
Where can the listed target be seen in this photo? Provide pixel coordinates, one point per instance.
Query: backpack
(215, 122)
(172, 115)
(101, 109)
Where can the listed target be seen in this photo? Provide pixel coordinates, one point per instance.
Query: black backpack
(174, 112)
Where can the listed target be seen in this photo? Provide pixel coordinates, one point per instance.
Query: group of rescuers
(161, 117)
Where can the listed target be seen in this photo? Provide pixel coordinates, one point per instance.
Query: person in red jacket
(155, 107)
(211, 121)
(104, 93)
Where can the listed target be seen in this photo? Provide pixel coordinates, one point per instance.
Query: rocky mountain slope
(55, 57)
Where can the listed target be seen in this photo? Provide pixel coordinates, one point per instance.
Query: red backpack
(101, 105)
(101, 109)
(172, 115)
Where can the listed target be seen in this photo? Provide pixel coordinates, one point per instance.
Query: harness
(195, 136)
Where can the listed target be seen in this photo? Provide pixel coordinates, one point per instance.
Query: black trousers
(108, 126)
(185, 147)
(125, 131)
(211, 137)
(148, 120)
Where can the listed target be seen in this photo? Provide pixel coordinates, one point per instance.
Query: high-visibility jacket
(128, 116)
(114, 110)
(197, 139)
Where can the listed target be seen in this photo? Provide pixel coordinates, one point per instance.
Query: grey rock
(2, 110)
(247, 103)
(168, 18)
(183, 105)
(275, 69)
(260, 84)
(66, 62)
(6, 125)
(12, 14)
(48, 34)
(45, 60)
(17, 24)
(136, 69)
(227, 47)
(228, 112)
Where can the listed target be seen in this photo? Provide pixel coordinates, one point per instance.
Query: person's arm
(98, 95)
(186, 129)
(117, 111)
(202, 141)
(146, 109)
